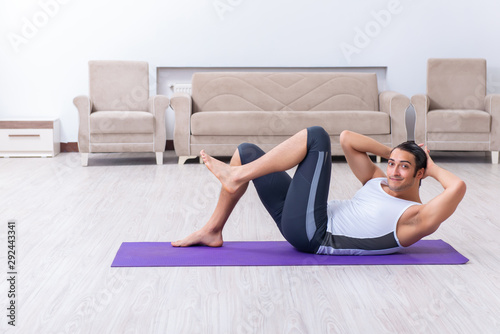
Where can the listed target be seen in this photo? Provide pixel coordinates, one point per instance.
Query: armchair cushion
(119, 85)
(458, 83)
(121, 122)
(445, 120)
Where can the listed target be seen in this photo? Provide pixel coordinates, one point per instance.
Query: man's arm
(441, 207)
(356, 147)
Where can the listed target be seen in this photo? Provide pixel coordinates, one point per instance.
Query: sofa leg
(85, 159)
(184, 158)
(494, 157)
(159, 158)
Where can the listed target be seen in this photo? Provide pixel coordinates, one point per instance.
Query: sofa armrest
(421, 104)
(84, 106)
(395, 104)
(492, 103)
(182, 105)
(157, 105)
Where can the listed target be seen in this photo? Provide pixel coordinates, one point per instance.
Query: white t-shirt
(365, 224)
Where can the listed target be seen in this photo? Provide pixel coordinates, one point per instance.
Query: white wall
(45, 44)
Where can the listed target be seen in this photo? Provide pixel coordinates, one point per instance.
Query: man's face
(401, 170)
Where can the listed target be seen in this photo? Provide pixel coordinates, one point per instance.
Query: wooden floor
(71, 221)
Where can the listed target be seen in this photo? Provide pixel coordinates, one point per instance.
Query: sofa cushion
(287, 123)
(268, 91)
(121, 122)
(446, 120)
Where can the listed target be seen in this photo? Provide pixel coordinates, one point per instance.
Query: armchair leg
(85, 159)
(494, 157)
(184, 158)
(159, 158)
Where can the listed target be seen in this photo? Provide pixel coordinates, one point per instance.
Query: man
(384, 216)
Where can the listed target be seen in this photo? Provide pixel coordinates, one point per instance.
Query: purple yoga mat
(273, 253)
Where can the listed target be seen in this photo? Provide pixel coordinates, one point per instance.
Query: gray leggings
(298, 205)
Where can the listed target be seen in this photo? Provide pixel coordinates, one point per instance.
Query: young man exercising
(384, 216)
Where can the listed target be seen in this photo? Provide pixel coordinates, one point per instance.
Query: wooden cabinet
(29, 138)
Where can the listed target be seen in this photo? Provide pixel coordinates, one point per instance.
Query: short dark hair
(416, 151)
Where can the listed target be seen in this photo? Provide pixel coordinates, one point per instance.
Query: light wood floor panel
(71, 221)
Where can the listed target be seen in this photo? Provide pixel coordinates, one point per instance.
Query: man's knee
(318, 139)
(235, 159)
(249, 152)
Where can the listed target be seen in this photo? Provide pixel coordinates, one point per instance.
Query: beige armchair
(456, 114)
(119, 115)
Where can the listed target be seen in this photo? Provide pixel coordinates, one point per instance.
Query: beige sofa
(226, 109)
(456, 114)
(119, 115)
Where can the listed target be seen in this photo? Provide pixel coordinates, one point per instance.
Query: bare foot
(223, 172)
(200, 237)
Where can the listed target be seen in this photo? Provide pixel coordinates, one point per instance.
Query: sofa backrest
(119, 85)
(284, 91)
(456, 83)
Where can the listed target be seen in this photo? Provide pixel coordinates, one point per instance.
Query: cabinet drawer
(26, 140)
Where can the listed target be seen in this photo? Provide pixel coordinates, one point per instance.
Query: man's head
(417, 152)
(406, 164)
